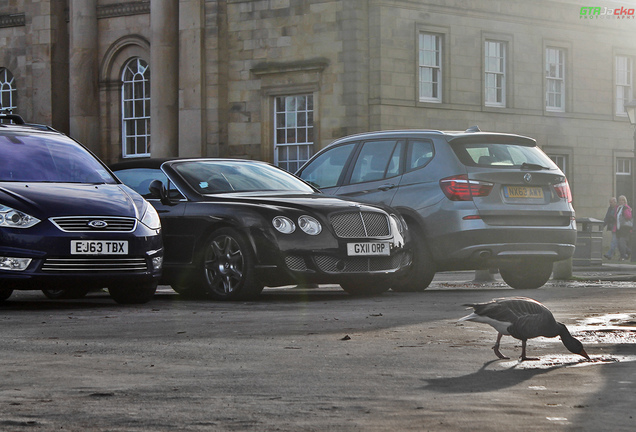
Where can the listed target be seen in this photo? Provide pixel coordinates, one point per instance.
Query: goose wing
(525, 315)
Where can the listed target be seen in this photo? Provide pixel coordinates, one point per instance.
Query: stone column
(46, 64)
(192, 136)
(84, 73)
(164, 78)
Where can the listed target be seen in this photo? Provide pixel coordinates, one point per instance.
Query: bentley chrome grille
(98, 265)
(361, 224)
(95, 223)
(330, 264)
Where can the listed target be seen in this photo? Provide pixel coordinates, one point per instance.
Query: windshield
(208, 177)
(48, 158)
(501, 155)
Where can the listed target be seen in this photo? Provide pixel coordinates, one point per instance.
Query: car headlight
(398, 222)
(284, 224)
(309, 225)
(151, 218)
(14, 264)
(12, 218)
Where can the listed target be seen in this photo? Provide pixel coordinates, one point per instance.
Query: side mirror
(158, 190)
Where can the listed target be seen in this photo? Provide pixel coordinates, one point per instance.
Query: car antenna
(473, 129)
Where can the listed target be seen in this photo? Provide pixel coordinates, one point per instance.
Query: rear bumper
(493, 247)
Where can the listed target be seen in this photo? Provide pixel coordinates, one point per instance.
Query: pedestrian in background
(609, 223)
(623, 228)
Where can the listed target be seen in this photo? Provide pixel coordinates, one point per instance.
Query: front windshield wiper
(533, 166)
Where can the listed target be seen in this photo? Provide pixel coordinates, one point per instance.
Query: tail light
(563, 190)
(459, 188)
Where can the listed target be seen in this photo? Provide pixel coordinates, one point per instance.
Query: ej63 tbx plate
(374, 248)
(523, 192)
(99, 247)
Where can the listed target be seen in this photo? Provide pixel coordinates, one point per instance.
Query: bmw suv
(473, 200)
(67, 224)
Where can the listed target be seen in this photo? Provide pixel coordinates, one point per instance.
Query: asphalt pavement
(607, 271)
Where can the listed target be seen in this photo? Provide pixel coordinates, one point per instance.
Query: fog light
(157, 262)
(14, 264)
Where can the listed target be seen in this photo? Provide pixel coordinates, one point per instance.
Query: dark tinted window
(420, 154)
(373, 161)
(139, 180)
(326, 169)
(48, 158)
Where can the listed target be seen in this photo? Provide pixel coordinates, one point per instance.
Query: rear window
(501, 155)
(48, 158)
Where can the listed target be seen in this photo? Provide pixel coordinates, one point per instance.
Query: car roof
(157, 162)
(18, 124)
(450, 135)
(138, 163)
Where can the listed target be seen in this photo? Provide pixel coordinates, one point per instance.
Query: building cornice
(123, 9)
(13, 20)
(265, 68)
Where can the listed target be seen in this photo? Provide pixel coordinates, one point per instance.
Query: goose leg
(523, 353)
(496, 348)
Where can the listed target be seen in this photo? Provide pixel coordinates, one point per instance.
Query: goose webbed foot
(498, 353)
(523, 353)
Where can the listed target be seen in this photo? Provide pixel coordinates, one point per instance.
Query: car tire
(133, 294)
(365, 288)
(527, 275)
(5, 293)
(227, 268)
(71, 293)
(421, 271)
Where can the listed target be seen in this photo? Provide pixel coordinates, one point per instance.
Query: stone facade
(217, 67)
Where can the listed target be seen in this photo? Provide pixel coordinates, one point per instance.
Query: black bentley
(231, 227)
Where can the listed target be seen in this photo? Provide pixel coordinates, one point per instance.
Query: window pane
(294, 130)
(135, 108)
(372, 161)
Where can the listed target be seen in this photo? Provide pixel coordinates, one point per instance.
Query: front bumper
(52, 266)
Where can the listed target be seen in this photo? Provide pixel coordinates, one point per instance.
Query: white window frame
(135, 108)
(561, 161)
(430, 67)
(555, 79)
(624, 166)
(293, 130)
(495, 64)
(624, 83)
(7, 91)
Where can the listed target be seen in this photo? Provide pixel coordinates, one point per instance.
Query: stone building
(279, 79)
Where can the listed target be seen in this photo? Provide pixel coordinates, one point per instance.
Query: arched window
(7, 91)
(135, 109)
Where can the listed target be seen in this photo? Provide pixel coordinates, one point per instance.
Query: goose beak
(584, 354)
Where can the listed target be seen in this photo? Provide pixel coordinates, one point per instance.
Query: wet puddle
(606, 329)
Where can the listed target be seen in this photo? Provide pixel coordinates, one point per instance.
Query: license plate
(99, 247)
(523, 192)
(373, 248)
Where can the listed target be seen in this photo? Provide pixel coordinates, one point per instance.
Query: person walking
(623, 228)
(609, 223)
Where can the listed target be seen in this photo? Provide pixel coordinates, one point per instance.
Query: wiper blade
(532, 166)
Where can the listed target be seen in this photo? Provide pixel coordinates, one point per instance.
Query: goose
(522, 318)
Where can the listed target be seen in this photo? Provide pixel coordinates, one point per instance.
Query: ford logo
(98, 224)
(527, 177)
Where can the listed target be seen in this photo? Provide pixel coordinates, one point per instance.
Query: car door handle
(386, 187)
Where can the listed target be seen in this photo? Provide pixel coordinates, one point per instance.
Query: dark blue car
(67, 225)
